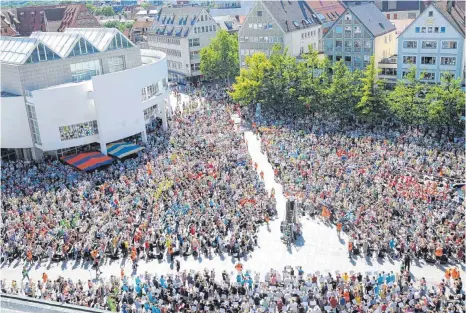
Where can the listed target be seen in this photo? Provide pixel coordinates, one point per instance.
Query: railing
(388, 61)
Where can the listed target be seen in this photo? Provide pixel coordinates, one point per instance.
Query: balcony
(390, 60)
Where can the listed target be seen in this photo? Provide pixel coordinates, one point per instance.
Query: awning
(87, 161)
(122, 149)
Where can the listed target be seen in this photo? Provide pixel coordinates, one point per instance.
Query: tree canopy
(310, 85)
(220, 59)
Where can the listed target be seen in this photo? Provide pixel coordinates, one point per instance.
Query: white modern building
(291, 24)
(434, 42)
(181, 33)
(76, 88)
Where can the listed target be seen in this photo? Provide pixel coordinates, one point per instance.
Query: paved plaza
(319, 249)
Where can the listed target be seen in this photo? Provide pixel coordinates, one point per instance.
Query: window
(389, 71)
(330, 58)
(431, 13)
(301, 50)
(151, 91)
(338, 29)
(449, 44)
(338, 44)
(385, 38)
(428, 60)
(448, 60)
(418, 29)
(34, 127)
(429, 76)
(250, 25)
(259, 13)
(423, 29)
(395, 16)
(347, 58)
(367, 58)
(150, 112)
(412, 16)
(85, 70)
(78, 130)
(116, 64)
(195, 67)
(348, 17)
(409, 60)
(436, 30)
(338, 58)
(347, 31)
(410, 44)
(442, 29)
(357, 29)
(429, 44)
(430, 30)
(388, 16)
(254, 26)
(194, 42)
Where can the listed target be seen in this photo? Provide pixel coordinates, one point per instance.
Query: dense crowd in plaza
(291, 290)
(191, 191)
(194, 192)
(389, 189)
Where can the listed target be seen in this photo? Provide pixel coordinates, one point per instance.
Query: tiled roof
(175, 22)
(330, 9)
(227, 22)
(454, 14)
(399, 5)
(143, 23)
(372, 18)
(291, 15)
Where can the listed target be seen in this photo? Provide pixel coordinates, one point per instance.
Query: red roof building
(54, 18)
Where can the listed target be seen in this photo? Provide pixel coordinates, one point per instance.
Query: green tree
(248, 88)
(107, 11)
(92, 8)
(114, 24)
(313, 81)
(446, 102)
(281, 82)
(342, 93)
(220, 59)
(408, 100)
(372, 103)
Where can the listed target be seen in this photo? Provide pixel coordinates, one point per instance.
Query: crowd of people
(390, 189)
(192, 191)
(290, 290)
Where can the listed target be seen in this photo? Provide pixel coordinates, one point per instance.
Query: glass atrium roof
(17, 50)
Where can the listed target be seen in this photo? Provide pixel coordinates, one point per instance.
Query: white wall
(63, 105)
(15, 131)
(294, 41)
(437, 20)
(118, 100)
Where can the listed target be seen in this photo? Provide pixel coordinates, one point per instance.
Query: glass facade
(116, 64)
(78, 130)
(85, 70)
(34, 127)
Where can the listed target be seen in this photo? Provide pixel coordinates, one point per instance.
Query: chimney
(287, 28)
(449, 6)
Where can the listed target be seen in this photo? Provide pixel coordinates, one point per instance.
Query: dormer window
(348, 17)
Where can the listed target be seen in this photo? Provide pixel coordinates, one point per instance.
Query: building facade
(80, 87)
(181, 33)
(290, 24)
(434, 42)
(361, 31)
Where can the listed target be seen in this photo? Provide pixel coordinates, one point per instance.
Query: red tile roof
(327, 6)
